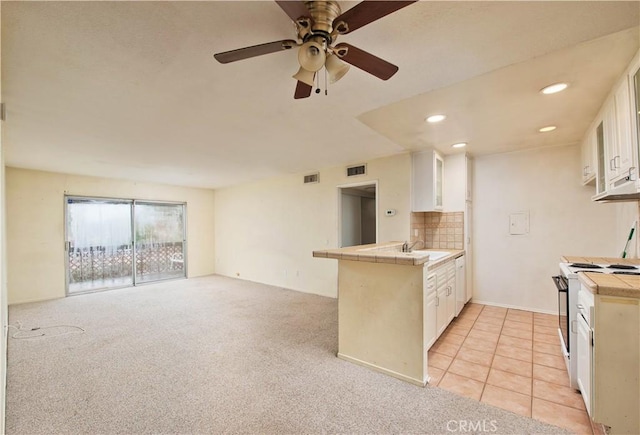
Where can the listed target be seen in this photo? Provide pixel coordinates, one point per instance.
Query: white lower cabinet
(608, 353)
(451, 291)
(585, 361)
(430, 311)
(440, 296)
(441, 309)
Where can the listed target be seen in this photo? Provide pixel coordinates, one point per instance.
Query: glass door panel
(99, 249)
(439, 181)
(159, 241)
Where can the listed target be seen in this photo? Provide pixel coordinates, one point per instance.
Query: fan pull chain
(326, 88)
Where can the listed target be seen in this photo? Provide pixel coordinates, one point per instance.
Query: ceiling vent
(352, 171)
(312, 178)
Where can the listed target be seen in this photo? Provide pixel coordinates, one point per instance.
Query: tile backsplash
(439, 230)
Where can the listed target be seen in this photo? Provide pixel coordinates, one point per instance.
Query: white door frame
(339, 200)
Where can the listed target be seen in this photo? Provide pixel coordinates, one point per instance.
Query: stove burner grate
(586, 265)
(622, 266)
(624, 272)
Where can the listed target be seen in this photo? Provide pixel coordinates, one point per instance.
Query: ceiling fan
(318, 24)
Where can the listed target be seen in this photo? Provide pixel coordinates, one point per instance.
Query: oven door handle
(560, 282)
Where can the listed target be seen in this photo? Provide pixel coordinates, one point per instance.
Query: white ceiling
(131, 90)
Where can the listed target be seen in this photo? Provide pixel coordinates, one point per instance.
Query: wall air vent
(352, 171)
(312, 178)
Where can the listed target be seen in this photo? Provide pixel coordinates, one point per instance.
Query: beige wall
(35, 226)
(4, 317)
(516, 270)
(266, 231)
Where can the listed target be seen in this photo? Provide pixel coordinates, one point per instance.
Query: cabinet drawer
(450, 269)
(430, 283)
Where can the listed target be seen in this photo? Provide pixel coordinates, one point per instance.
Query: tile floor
(510, 359)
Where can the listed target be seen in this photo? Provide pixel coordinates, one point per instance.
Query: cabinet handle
(574, 325)
(616, 165)
(588, 169)
(437, 301)
(612, 165)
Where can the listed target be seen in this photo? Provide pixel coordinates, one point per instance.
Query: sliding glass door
(99, 244)
(159, 241)
(115, 243)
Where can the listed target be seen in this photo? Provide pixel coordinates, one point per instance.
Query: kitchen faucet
(407, 248)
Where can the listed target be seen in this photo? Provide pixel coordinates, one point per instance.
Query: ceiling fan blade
(368, 11)
(366, 61)
(255, 50)
(295, 9)
(303, 90)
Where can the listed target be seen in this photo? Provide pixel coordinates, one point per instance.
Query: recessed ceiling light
(552, 89)
(435, 118)
(548, 128)
(459, 145)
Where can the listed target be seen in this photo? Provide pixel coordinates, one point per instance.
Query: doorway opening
(113, 243)
(358, 215)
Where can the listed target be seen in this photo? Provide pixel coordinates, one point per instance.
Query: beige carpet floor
(214, 355)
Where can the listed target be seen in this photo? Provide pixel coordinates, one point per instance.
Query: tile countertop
(625, 286)
(599, 260)
(390, 252)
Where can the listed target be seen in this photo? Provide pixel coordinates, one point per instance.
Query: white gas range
(568, 287)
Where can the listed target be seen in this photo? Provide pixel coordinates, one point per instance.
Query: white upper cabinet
(618, 134)
(589, 160)
(612, 151)
(613, 140)
(427, 181)
(457, 181)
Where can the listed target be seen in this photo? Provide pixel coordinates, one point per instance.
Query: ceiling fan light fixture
(311, 56)
(336, 68)
(554, 88)
(435, 118)
(305, 76)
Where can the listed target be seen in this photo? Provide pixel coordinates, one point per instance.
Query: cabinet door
(427, 178)
(438, 184)
(430, 320)
(601, 155)
(611, 149)
(441, 309)
(461, 291)
(451, 300)
(626, 152)
(451, 291)
(584, 361)
(588, 150)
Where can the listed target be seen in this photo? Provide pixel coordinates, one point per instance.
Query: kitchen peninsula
(392, 305)
(611, 364)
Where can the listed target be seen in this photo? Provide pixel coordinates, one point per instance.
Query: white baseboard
(515, 307)
(397, 375)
